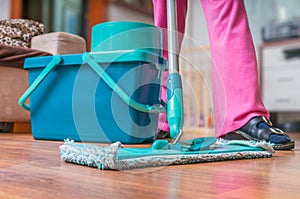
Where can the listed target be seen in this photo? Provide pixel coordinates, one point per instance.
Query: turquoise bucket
(107, 95)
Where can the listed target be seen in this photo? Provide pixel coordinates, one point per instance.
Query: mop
(163, 152)
(114, 157)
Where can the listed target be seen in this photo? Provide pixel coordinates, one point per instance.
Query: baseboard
(21, 127)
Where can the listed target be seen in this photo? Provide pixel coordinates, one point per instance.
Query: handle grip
(175, 104)
(117, 89)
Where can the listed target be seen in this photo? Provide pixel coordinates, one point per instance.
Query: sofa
(14, 79)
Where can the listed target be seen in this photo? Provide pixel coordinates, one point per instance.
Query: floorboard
(33, 169)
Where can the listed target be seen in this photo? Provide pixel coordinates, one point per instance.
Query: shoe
(260, 128)
(163, 134)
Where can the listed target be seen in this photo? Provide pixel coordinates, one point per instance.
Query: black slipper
(250, 131)
(163, 134)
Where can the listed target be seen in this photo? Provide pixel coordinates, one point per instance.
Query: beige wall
(121, 13)
(5, 9)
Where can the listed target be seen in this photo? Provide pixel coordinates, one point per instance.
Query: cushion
(59, 43)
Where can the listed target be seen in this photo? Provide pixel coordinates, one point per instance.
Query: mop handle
(174, 94)
(172, 37)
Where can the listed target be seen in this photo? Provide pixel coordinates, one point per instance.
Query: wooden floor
(33, 169)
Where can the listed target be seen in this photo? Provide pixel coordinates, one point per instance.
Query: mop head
(115, 157)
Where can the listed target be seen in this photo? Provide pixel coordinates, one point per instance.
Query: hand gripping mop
(162, 152)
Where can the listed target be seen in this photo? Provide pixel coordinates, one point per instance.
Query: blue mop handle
(175, 105)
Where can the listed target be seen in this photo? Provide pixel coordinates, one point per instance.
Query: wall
(196, 31)
(121, 13)
(67, 16)
(259, 14)
(5, 9)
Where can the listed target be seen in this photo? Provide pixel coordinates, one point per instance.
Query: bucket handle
(86, 57)
(56, 59)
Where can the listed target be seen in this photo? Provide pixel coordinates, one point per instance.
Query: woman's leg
(236, 92)
(160, 20)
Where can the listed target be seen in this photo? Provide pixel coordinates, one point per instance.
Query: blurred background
(275, 26)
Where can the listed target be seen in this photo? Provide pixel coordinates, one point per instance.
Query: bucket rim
(136, 23)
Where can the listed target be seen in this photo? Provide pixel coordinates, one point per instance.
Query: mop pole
(174, 85)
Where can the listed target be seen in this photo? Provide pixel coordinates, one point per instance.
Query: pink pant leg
(160, 20)
(234, 73)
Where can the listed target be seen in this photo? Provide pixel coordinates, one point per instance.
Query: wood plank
(33, 169)
(21, 127)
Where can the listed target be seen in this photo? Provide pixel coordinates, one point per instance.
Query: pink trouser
(236, 94)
